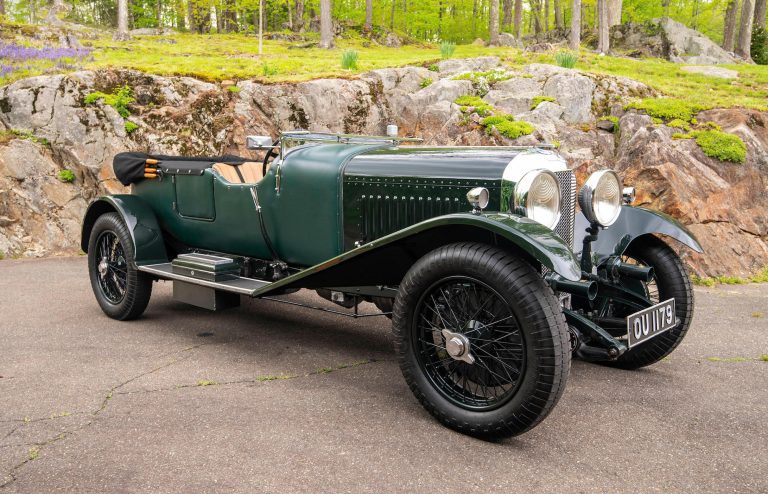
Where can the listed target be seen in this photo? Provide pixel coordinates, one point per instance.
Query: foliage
(118, 99)
(9, 135)
(233, 89)
(268, 70)
(349, 59)
(537, 100)
(17, 60)
(490, 76)
(496, 120)
(446, 49)
(130, 126)
(66, 176)
(720, 145)
(759, 277)
(426, 82)
(667, 109)
(506, 125)
(474, 104)
(567, 59)
(433, 67)
(679, 124)
(759, 48)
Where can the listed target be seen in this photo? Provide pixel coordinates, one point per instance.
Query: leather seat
(250, 172)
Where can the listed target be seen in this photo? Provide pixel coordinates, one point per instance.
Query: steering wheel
(268, 155)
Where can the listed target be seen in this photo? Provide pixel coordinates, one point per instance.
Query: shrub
(490, 76)
(666, 109)
(130, 126)
(434, 67)
(66, 176)
(474, 104)
(446, 49)
(497, 119)
(537, 100)
(759, 47)
(720, 145)
(566, 59)
(513, 130)
(233, 89)
(349, 60)
(679, 124)
(268, 70)
(426, 82)
(119, 99)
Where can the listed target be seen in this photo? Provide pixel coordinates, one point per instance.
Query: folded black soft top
(129, 167)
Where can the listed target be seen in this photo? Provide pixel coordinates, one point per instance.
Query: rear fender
(140, 220)
(632, 224)
(386, 260)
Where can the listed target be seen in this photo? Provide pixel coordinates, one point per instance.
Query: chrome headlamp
(478, 198)
(600, 198)
(537, 196)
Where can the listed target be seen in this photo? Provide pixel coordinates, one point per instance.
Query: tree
(745, 29)
(122, 21)
(518, 18)
(729, 29)
(603, 44)
(760, 11)
(57, 7)
(506, 8)
(575, 39)
(326, 25)
(2, 7)
(558, 15)
(614, 12)
(493, 23)
(368, 16)
(298, 19)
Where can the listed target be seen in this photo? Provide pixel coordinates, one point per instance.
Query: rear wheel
(481, 340)
(121, 290)
(670, 281)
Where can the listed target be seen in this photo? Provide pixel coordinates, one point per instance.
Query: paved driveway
(273, 398)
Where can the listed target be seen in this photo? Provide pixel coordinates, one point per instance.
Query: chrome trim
(523, 188)
(587, 196)
(478, 198)
(628, 195)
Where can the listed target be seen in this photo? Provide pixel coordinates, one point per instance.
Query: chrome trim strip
(243, 286)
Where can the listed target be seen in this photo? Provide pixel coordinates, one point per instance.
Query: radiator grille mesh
(565, 226)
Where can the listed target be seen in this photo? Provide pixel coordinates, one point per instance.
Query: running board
(236, 284)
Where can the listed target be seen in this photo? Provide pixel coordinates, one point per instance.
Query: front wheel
(121, 290)
(481, 340)
(670, 281)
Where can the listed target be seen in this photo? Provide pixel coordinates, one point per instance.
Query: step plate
(243, 286)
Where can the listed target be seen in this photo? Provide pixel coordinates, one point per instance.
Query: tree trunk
(602, 26)
(536, 15)
(575, 38)
(2, 7)
(558, 15)
(614, 12)
(298, 19)
(546, 15)
(760, 10)
(57, 7)
(518, 19)
(326, 25)
(122, 21)
(368, 16)
(506, 8)
(392, 17)
(493, 23)
(745, 30)
(729, 30)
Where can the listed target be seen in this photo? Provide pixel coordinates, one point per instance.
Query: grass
(474, 104)
(206, 382)
(349, 59)
(66, 176)
(537, 100)
(119, 100)
(8, 135)
(667, 109)
(566, 59)
(759, 277)
(130, 126)
(426, 82)
(217, 57)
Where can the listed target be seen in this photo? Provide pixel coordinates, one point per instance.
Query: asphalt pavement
(274, 398)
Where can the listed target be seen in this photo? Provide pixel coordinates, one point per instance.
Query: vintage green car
(491, 277)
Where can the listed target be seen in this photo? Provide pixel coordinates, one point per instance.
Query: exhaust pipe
(586, 289)
(642, 273)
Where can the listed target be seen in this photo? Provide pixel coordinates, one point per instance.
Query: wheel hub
(103, 267)
(457, 345)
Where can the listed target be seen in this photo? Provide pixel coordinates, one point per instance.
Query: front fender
(140, 220)
(633, 223)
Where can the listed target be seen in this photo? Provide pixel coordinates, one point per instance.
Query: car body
(358, 218)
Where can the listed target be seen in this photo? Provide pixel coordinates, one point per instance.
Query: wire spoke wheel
(469, 343)
(112, 267)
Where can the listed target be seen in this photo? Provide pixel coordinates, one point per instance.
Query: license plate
(650, 322)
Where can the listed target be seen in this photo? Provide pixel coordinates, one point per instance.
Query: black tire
(536, 352)
(671, 280)
(121, 290)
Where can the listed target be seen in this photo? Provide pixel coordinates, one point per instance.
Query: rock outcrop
(725, 204)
